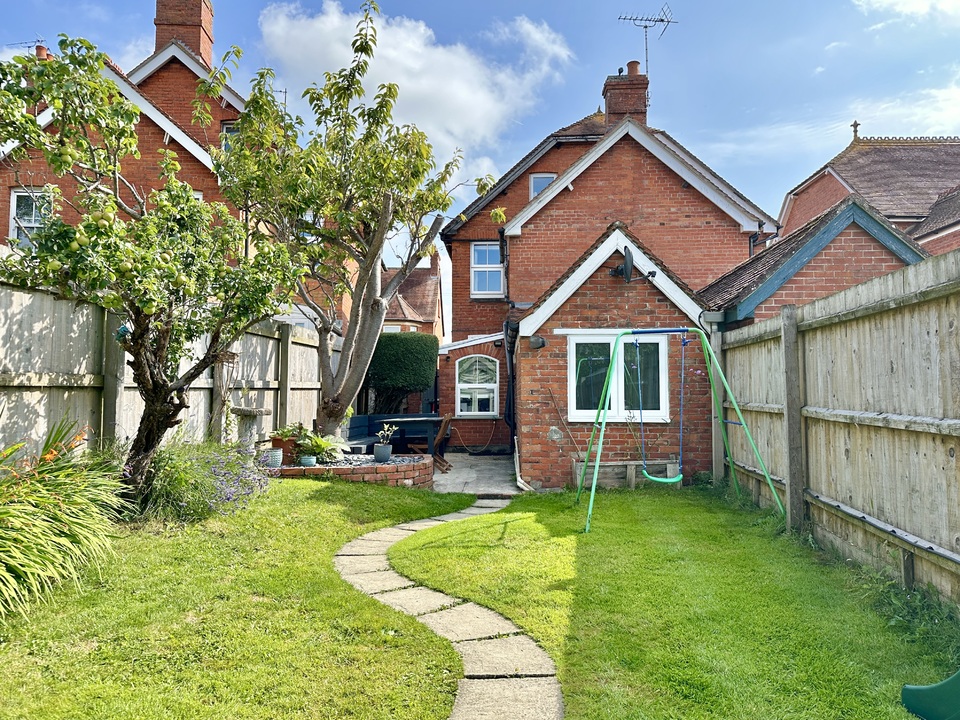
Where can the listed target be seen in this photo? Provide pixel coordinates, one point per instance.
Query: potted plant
(320, 448)
(286, 439)
(382, 450)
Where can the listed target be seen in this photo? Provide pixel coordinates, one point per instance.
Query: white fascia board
(43, 120)
(479, 340)
(728, 203)
(156, 61)
(168, 126)
(948, 230)
(616, 242)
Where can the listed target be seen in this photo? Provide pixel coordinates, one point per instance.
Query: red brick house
(912, 182)
(848, 244)
(162, 87)
(508, 373)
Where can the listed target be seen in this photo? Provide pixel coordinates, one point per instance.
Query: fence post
(792, 419)
(218, 405)
(114, 372)
(719, 466)
(283, 391)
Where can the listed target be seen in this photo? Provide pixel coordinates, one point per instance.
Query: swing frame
(643, 439)
(714, 373)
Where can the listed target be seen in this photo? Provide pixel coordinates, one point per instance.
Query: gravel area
(361, 460)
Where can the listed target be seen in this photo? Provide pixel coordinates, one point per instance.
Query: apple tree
(335, 192)
(171, 266)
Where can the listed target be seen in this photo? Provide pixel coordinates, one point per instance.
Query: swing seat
(648, 476)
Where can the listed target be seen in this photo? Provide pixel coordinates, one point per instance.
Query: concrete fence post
(114, 372)
(792, 418)
(284, 395)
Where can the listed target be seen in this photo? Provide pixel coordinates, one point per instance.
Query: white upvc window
(486, 270)
(478, 386)
(391, 328)
(538, 181)
(28, 208)
(639, 378)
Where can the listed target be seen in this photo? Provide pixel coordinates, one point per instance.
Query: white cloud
(458, 98)
(836, 46)
(912, 7)
(819, 69)
(134, 52)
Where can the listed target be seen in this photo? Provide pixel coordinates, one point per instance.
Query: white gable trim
(146, 108)
(616, 242)
(721, 196)
(469, 342)
(156, 61)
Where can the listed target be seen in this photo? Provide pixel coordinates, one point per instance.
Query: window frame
(32, 193)
(474, 293)
(494, 386)
(617, 411)
(540, 176)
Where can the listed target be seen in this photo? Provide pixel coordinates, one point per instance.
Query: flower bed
(400, 470)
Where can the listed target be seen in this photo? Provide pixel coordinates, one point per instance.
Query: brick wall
(190, 22)
(943, 244)
(491, 433)
(818, 197)
(605, 302)
(851, 258)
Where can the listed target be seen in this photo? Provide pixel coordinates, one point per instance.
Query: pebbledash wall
(60, 360)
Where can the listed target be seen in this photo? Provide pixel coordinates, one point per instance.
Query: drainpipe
(505, 257)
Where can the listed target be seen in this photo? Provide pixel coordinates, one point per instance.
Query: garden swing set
(717, 381)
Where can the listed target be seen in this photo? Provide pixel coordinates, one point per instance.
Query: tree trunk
(159, 415)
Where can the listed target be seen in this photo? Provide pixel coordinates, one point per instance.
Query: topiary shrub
(403, 363)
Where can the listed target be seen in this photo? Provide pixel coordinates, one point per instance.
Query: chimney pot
(633, 67)
(42, 52)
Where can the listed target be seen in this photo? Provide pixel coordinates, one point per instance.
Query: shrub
(194, 481)
(326, 448)
(403, 363)
(56, 515)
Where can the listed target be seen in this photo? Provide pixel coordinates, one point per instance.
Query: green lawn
(677, 606)
(236, 617)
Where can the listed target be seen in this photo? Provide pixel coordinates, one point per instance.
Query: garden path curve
(506, 674)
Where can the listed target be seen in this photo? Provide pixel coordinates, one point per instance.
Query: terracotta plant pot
(288, 446)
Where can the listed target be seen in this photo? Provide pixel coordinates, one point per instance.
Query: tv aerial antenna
(665, 18)
(27, 43)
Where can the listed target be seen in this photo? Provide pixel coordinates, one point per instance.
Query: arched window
(478, 386)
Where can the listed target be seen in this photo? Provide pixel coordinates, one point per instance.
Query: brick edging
(417, 474)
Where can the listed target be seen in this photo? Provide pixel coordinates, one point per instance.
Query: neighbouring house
(912, 182)
(531, 297)
(848, 244)
(162, 87)
(417, 307)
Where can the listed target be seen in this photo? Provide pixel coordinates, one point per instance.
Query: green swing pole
(718, 409)
(601, 417)
(593, 433)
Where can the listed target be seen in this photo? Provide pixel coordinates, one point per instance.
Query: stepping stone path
(506, 674)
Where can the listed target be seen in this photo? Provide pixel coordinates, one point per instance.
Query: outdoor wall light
(537, 342)
(498, 343)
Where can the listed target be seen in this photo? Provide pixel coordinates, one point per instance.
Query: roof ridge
(898, 139)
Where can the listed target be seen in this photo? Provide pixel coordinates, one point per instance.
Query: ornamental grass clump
(57, 511)
(194, 481)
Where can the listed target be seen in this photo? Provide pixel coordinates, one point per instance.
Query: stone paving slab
(356, 564)
(514, 656)
(390, 534)
(365, 547)
(477, 510)
(454, 516)
(420, 524)
(514, 698)
(499, 504)
(417, 600)
(378, 582)
(468, 622)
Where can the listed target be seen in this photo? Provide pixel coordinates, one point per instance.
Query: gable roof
(614, 240)
(943, 213)
(177, 50)
(741, 290)
(670, 153)
(901, 177)
(588, 129)
(129, 91)
(417, 296)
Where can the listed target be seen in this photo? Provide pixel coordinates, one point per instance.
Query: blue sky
(763, 91)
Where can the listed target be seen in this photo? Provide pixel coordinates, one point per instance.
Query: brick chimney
(190, 22)
(626, 95)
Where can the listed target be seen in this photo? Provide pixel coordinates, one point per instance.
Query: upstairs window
(28, 208)
(486, 270)
(538, 181)
(640, 375)
(478, 385)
